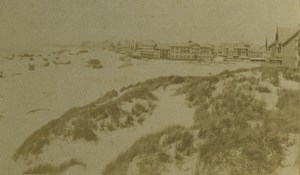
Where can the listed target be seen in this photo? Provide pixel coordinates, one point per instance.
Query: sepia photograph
(149, 87)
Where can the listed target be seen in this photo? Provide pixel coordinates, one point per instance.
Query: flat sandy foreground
(30, 99)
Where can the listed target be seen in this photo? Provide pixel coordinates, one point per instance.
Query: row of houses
(151, 49)
(284, 50)
(184, 51)
(241, 51)
(178, 51)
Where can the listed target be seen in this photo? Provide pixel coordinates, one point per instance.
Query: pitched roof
(240, 46)
(256, 48)
(285, 34)
(184, 44)
(206, 45)
(163, 47)
(147, 43)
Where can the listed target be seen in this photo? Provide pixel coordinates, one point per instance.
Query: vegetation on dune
(263, 89)
(94, 63)
(237, 134)
(272, 74)
(106, 97)
(83, 122)
(232, 145)
(199, 90)
(153, 84)
(292, 74)
(288, 113)
(138, 92)
(146, 145)
(151, 148)
(51, 169)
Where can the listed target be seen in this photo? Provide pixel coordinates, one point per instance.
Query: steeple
(276, 36)
(299, 45)
(267, 42)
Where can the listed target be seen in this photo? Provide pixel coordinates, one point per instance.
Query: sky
(27, 23)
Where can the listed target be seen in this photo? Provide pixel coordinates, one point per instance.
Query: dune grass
(84, 120)
(272, 73)
(263, 89)
(150, 147)
(230, 144)
(51, 169)
(288, 114)
(234, 146)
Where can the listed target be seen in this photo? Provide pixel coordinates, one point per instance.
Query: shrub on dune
(51, 169)
(94, 63)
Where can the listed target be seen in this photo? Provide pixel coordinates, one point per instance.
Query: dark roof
(147, 43)
(163, 47)
(183, 44)
(285, 35)
(206, 45)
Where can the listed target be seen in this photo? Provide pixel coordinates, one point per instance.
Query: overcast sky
(27, 22)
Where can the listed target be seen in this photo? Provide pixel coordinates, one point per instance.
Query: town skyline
(24, 25)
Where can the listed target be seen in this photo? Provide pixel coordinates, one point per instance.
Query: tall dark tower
(266, 42)
(276, 36)
(299, 44)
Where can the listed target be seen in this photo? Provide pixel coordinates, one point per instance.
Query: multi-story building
(206, 52)
(164, 51)
(181, 50)
(226, 50)
(285, 48)
(147, 49)
(195, 50)
(191, 50)
(241, 51)
(256, 52)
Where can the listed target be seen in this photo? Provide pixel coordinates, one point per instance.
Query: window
(279, 48)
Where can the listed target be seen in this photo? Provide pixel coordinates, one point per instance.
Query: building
(191, 51)
(125, 47)
(256, 53)
(285, 47)
(195, 50)
(164, 51)
(206, 52)
(108, 45)
(226, 50)
(239, 51)
(147, 49)
(181, 50)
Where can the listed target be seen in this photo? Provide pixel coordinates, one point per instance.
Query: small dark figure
(31, 67)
